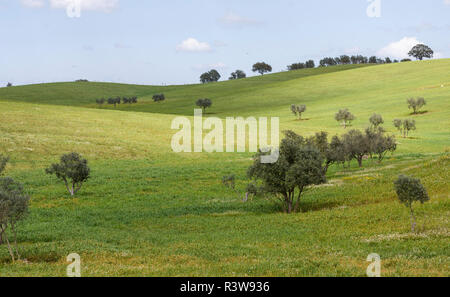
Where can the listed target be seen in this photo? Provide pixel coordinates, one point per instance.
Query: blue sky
(174, 41)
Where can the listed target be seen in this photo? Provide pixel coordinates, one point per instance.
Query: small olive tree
(416, 104)
(356, 146)
(299, 166)
(408, 126)
(13, 209)
(298, 110)
(73, 170)
(410, 190)
(159, 97)
(204, 103)
(376, 121)
(344, 116)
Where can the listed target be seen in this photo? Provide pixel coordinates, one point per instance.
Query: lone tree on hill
(210, 76)
(73, 170)
(410, 190)
(238, 74)
(298, 110)
(262, 68)
(416, 104)
(204, 103)
(299, 166)
(344, 116)
(421, 51)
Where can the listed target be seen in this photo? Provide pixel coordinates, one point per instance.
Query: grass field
(147, 211)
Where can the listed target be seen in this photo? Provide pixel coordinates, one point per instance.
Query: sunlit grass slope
(147, 211)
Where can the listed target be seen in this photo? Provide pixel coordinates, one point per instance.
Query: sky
(162, 42)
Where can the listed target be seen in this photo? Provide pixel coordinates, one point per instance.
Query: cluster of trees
(210, 76)
(405, 126)
(204, 103)
(117, 100)
(13, 209)
(9, 85)
(298, 110)
(358, 59)
(300, 65)
(82, 80)
(238, 74)
(159, 97)
(305, 161)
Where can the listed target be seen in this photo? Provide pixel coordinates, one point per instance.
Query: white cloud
(193, 45)
(399, 49)
(233, 19)
(93, 5)
(32, 3)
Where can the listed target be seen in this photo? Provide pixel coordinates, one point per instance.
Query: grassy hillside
(148, 211)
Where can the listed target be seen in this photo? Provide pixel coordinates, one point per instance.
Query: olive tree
(376, 120)
(410, 190)
(356, 145)
(421, 51)
(299, 165)
(408, 126)
(238, 74)
(416, 104)
(13, 209)
(73, 170)
(210, 76)
(262, 68)
(159, 97)
(297, 110)
(344, 116)
(204, 103)
(100, 102)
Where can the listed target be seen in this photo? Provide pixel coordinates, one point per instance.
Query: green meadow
(147, 211)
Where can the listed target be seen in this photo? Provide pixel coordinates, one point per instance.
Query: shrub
(410, 190)
(344, 116)
(73, 170)
(299, 166)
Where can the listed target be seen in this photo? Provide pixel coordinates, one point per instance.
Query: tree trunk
(9, 249)
(360, 162)
(413, 219)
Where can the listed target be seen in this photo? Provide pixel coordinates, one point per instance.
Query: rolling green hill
(147, 211)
